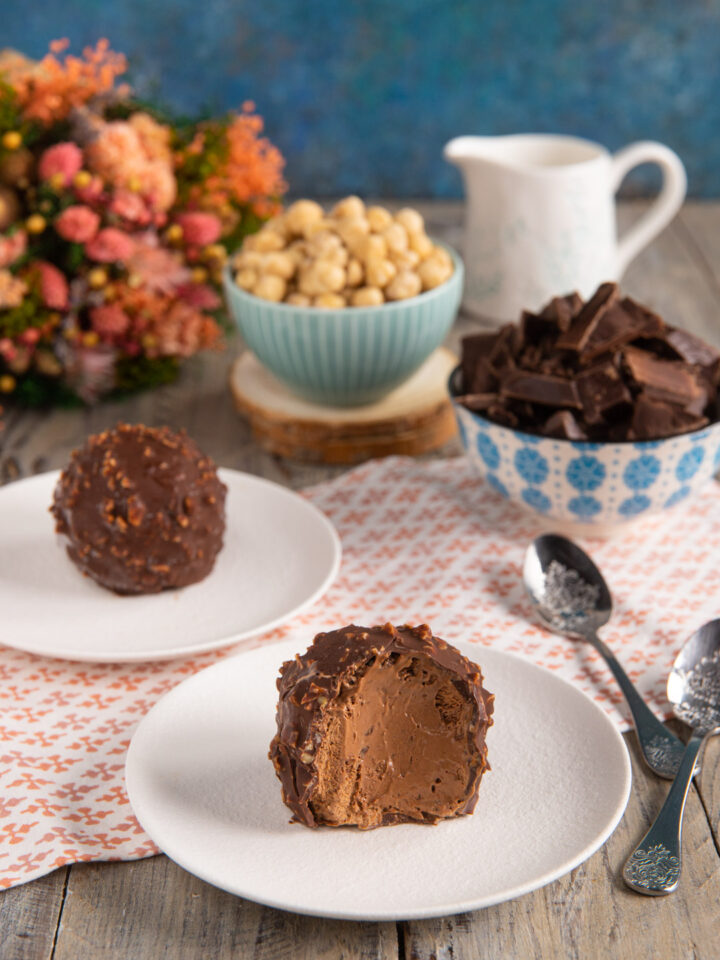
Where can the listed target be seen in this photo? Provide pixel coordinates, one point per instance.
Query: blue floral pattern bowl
(585, 487)
(348, 356)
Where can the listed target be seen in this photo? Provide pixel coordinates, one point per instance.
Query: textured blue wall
(361, 96)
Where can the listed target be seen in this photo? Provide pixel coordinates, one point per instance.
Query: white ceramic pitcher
(541, 216)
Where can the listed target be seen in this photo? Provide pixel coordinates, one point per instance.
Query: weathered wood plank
(709, 787)
(591, 913)
(154, 910)
(702, 222)
(668, 277)
(29, 917)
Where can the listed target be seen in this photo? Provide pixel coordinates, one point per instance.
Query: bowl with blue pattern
(351, 355)
(585, 487)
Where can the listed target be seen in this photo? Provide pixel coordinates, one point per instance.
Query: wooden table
(151, 909)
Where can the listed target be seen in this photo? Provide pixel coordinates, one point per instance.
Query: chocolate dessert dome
(378, 726)
(142, 509)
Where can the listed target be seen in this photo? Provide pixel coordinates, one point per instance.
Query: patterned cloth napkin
(423, 542)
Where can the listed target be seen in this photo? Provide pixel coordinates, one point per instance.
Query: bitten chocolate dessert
(142, 509)
(606, 370)
(378, 726)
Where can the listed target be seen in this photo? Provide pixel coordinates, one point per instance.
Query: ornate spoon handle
(653, 868)
(661, 750)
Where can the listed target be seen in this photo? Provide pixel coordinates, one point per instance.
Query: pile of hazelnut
(355, 256)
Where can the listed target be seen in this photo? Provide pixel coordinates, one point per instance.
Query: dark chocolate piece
(142, 510)
(540, 388)
(601, 390)
(592, 361)
(564, 425)
(654, 419)
(672, 379)
(583, 326)
(381, 725)
(561, 310)
(692, 349)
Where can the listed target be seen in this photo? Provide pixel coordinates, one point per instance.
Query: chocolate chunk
(572, 367)
(540, 388)
(563, 424)
(620, 323)
(653, 419)
(692, 349)
(378, 726)
(561, 310)
(602, 390)
(477, 376)
(670, 379)
(478, 402)
(582, 327)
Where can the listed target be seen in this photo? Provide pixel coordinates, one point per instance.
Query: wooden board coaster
(415, 418)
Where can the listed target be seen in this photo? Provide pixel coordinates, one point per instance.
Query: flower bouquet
(114, 226)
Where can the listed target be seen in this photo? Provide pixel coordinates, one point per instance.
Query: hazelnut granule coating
(142, 509)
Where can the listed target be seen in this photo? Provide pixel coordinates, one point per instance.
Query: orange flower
(49, 90)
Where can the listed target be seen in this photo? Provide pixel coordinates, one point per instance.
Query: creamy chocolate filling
(380, 726)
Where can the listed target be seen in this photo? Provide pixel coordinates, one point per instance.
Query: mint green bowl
(350, 356)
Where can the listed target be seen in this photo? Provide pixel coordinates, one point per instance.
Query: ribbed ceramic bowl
(350, 356)
(593, 489)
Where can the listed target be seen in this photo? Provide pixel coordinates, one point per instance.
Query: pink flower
(12, 247)
(110, 245)
(77, 224)
(110, 320)
(199, 229)
(129, 206)
(64, 158)
(199, 295)
(92, 192)
(157, 268)
(53, 286)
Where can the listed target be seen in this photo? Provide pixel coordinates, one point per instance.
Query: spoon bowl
(568, 591)
(570, 597)
(693, 689)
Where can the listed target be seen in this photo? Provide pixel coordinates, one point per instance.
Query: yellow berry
(57, 181)
(109, 293)
(97, 278)
(199, 275)
(82, 179)
(70, 334)
(11, 141)
(134, 281)
(90, 339)
(174, 233)
(135, 184)
(215, 251)
(149, 341)
(35, 223)
(7, 383)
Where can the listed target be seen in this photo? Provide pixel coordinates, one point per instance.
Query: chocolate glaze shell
(398, 714)
(142, 510)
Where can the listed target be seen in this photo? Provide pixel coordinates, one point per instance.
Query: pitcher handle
(667, 204)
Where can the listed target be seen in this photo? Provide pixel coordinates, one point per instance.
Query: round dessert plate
(280, 554)
(201, 784)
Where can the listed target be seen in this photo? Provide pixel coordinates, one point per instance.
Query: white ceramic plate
(201, 784)
(280, 554)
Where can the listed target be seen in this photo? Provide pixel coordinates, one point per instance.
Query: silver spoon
(570, 597)
(693, 689)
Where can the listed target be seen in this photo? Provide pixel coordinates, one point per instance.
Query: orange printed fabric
(423, 542)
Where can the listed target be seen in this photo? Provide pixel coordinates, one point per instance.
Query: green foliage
(139, 373)
(36, 390)
(30, 313)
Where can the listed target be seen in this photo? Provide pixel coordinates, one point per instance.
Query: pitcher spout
(464, 150)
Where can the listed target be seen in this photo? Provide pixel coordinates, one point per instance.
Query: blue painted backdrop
(361, 94)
